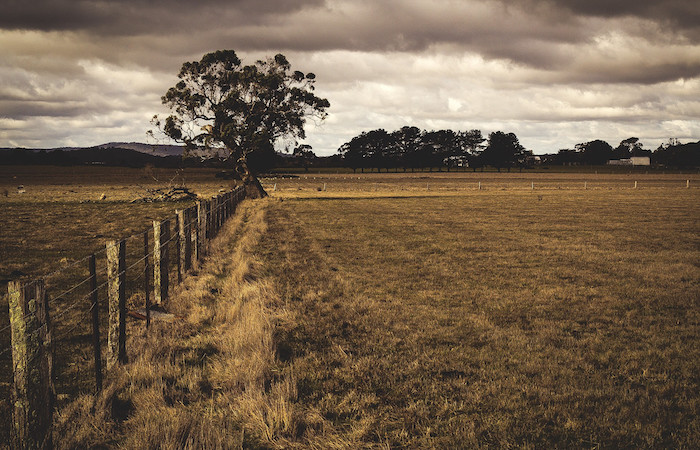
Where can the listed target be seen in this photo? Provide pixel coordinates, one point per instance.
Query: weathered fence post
(97, 350)
(194, 239)
(116, 285)
(222, 207)
(161, 277)
(222, 201)
(146, 278)
(201, 228)
(217, 222)
(178, 244)
(215, 215)
(32, 359)
(183, 240)
(210, 219)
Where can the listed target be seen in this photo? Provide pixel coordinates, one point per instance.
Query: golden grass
(58, 222)
(395, 316)
(207, 381)
(555, 319)
(431, 184)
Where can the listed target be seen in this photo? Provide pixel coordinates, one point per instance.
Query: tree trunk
(252, 185)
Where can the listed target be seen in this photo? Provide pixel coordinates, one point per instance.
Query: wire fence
(80, 304)
(453, 183)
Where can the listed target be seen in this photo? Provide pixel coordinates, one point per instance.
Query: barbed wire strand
(140, 234)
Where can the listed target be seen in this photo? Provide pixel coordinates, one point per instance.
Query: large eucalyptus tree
(222, 107)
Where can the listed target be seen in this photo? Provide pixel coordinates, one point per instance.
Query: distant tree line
(670, 154)
(411, 148)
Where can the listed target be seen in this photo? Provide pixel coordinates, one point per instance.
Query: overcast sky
(555, 72)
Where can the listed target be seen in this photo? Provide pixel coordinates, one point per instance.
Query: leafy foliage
(220, 104)
(503, 150)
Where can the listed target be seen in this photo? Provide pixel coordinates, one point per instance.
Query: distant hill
(126, 154)
(153, 149)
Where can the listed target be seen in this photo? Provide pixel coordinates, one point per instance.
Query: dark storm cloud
(69, 64)
(124, 17)
(534, 33)
(681, 13)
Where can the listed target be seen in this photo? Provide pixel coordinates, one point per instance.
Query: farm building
(633, 161)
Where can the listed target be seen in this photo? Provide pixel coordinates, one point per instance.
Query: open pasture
(48, 231)
(555, 318)
(458, 183)
(420, 311)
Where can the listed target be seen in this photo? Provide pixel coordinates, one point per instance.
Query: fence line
(34, 330)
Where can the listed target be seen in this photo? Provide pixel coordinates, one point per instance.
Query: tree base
(253, 188)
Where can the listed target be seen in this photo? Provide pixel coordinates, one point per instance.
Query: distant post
(116, 277)
(32, 360)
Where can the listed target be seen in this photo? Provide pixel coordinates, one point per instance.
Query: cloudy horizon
(556, 73)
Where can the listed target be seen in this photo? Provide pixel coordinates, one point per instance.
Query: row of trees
(412, 148)
(600, 152)
(671, 154)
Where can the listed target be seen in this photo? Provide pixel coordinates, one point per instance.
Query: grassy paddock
(443, 183)
(564, 318)
(54, 225)
(399, 310)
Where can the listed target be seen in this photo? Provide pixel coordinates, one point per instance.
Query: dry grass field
(504, 318)
(414, 310)
(340, 185)
(54, 224)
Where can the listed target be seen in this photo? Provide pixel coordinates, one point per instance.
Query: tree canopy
(221, 105)
(410, 147)
(503, 150)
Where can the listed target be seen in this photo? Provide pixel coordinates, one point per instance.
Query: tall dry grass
(206, 380)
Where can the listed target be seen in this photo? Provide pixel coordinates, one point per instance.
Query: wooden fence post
(215, 215)
(32, 360)
(178, 244)
(161, 276)
(188, 239)
(201, 228)
(220, 204)
(97, 350)
(194, 233)
(182, 239)
(146, 278)
(210, 219)
(116, 277)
